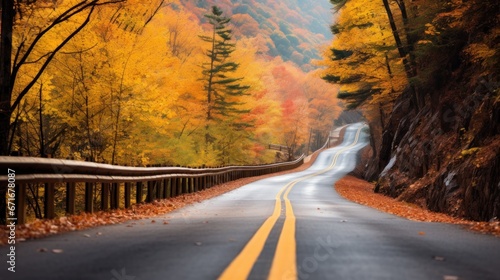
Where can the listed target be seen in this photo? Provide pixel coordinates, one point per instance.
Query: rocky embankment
(445, 153)
(446, 159)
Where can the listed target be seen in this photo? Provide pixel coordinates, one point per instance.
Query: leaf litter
(361, 192)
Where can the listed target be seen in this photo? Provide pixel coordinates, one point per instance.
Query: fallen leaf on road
(42, 250)
(57, 251)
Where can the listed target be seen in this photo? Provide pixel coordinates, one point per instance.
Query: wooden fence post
(20, 203)
(89, 197)
(115, 196)
(128, 187)
(166, 188)
(196, 184)
(49, 206)
(104, 196)
(173, 187)
(179, 186)
(159, 189)
(150, 197)
(70, 198)
(138, 193)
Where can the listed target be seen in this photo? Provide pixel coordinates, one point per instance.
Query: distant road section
(293, 226)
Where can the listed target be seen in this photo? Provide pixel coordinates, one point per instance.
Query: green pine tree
(221, 88)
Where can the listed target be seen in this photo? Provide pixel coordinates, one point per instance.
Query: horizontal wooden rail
(115, 182)
(279, 147)
(34, 165)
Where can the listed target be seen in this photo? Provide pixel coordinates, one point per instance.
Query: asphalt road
(286, 227)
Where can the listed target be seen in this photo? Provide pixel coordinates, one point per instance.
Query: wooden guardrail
(149, 183)
(281, 148)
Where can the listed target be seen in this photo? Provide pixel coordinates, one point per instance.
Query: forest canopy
(123, 82)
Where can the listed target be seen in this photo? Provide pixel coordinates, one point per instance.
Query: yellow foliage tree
(363, 59)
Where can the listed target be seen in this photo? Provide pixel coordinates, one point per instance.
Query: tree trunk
(5, 74)
(213, 57)
(399, 44)
(5, 93)
(411, 40)
(403, 52)
(42, 136)
(118, 113)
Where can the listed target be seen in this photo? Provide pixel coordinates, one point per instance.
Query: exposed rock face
(445, 158)
(444, 154)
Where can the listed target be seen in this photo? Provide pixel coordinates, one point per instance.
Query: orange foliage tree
(128, 89)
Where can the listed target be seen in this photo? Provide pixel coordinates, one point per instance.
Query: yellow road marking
(284, 261)
(285, 258)
(242, 265)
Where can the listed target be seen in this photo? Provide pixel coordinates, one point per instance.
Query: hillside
(293, 30)
(135, 82)
(445, 156)
(434, 105)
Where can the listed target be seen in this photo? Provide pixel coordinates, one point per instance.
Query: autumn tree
(297, 95)
(223, 91)
(27, 50)
(131, 79)
(365, 62)
(322, 109)
(20, 51)
(363, 59)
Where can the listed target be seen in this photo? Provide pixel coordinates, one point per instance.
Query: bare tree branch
(49, 59)
(154, 13)
(76, 9)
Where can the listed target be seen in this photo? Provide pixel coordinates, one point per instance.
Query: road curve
(293, 226)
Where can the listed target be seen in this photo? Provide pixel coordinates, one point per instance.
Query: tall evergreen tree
(223, 90)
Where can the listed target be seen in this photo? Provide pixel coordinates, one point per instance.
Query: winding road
(293, 226)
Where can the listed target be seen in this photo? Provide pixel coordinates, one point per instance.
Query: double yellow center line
(284, 264)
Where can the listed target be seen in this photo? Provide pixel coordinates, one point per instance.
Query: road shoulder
(360, 191)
